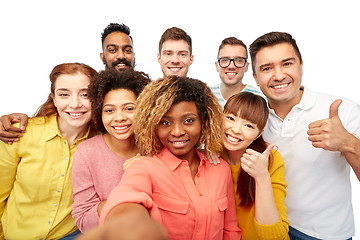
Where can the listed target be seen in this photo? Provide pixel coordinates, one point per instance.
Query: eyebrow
(115, 45)
(124, 104)
(282, 61)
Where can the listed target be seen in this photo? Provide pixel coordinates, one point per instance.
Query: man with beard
(117, 45)
(232, 63)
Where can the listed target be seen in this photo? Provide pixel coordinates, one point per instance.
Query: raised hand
(328, 134)
(255, 163)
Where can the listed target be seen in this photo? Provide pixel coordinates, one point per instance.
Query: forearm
(125, 208)
(266, 212)
(351, 152)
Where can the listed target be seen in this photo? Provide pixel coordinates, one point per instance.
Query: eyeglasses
(238, 62)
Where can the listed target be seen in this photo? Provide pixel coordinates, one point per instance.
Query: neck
(233, 157)
(71, 133)
(122, 148)
(283, 108)
(228, 90)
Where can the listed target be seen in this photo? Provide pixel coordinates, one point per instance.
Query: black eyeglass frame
(232, 60)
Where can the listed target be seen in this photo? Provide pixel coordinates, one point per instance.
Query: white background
(37, 35)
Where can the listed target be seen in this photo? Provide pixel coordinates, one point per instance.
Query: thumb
(334, 109)
(268, 150)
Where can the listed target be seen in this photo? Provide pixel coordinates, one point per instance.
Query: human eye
(164, 123)
(229, 117)
(130, 108)
(265, 69)
(128, 50)
(108, 110)
(189, 120)
(224, 60)
(240, 60)
(112, 49)
(249, 125)
(287, 64)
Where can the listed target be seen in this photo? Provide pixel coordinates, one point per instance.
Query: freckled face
(179, 129)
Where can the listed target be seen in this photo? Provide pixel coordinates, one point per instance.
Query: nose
(236, 128)
(278, 74)
(119, 116)
(75, 102)
(232, 64)
(120, 54)
(174, 58)
(177, 130)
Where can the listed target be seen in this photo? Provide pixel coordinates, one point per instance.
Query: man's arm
(9, 133)
(330, 134)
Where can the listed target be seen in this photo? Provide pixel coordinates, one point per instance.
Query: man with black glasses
(231, 65)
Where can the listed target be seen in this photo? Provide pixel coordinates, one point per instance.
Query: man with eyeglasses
(231, 65)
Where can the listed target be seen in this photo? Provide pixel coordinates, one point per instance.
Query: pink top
(96, 170)
(163, 184)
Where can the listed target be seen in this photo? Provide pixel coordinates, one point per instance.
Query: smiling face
(71, 101)
(175, 58)
(278, 73)
(232, 75)
(179, 129)
(239, 133)
(118, 51)
(118, 113)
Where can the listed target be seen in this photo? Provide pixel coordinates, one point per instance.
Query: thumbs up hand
(328, 134)
(255, 163)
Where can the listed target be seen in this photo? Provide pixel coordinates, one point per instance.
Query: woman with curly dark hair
(96, 173)
(192, 198)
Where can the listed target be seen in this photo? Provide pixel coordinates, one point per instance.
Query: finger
(314, 132)
(316, 124)
(334, 109)
(268, 150)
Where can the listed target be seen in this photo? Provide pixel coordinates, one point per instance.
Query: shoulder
(91, 143)
(277, 161)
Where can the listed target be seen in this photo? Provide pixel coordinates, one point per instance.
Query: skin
(118, 47)
(278, 73)
(179, 131)
(231, 76)
(175, 58)
(117, 117)
(73, 106)
(238, 134)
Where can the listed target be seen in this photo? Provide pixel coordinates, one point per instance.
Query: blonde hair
(159, 96)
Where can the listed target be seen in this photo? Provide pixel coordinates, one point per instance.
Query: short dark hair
(110, 79)
(175, 33)
(232, 41)
(271, 39)
(115, 27)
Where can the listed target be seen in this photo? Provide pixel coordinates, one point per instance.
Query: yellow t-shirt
(251, 229)
(36, 188)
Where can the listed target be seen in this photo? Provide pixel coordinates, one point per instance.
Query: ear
(53, 99)
(191, 59)
(254, 76)
(217, 66)
(158, 57)
(102, 58)
(246, 67)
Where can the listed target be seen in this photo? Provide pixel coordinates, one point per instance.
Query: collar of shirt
(173, 162)
(52, 130)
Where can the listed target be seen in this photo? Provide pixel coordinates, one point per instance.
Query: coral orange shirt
(204, 209)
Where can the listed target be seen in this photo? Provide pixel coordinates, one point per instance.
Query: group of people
(225, 162)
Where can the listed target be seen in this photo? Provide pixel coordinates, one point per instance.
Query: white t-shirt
(319, 189)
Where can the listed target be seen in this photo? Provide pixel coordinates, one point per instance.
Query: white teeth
(75, 114)
(120, 64)
(280, 86)
(178, 143)
(174, 69)
(233, 74)
(231, 138)
(120, 128)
